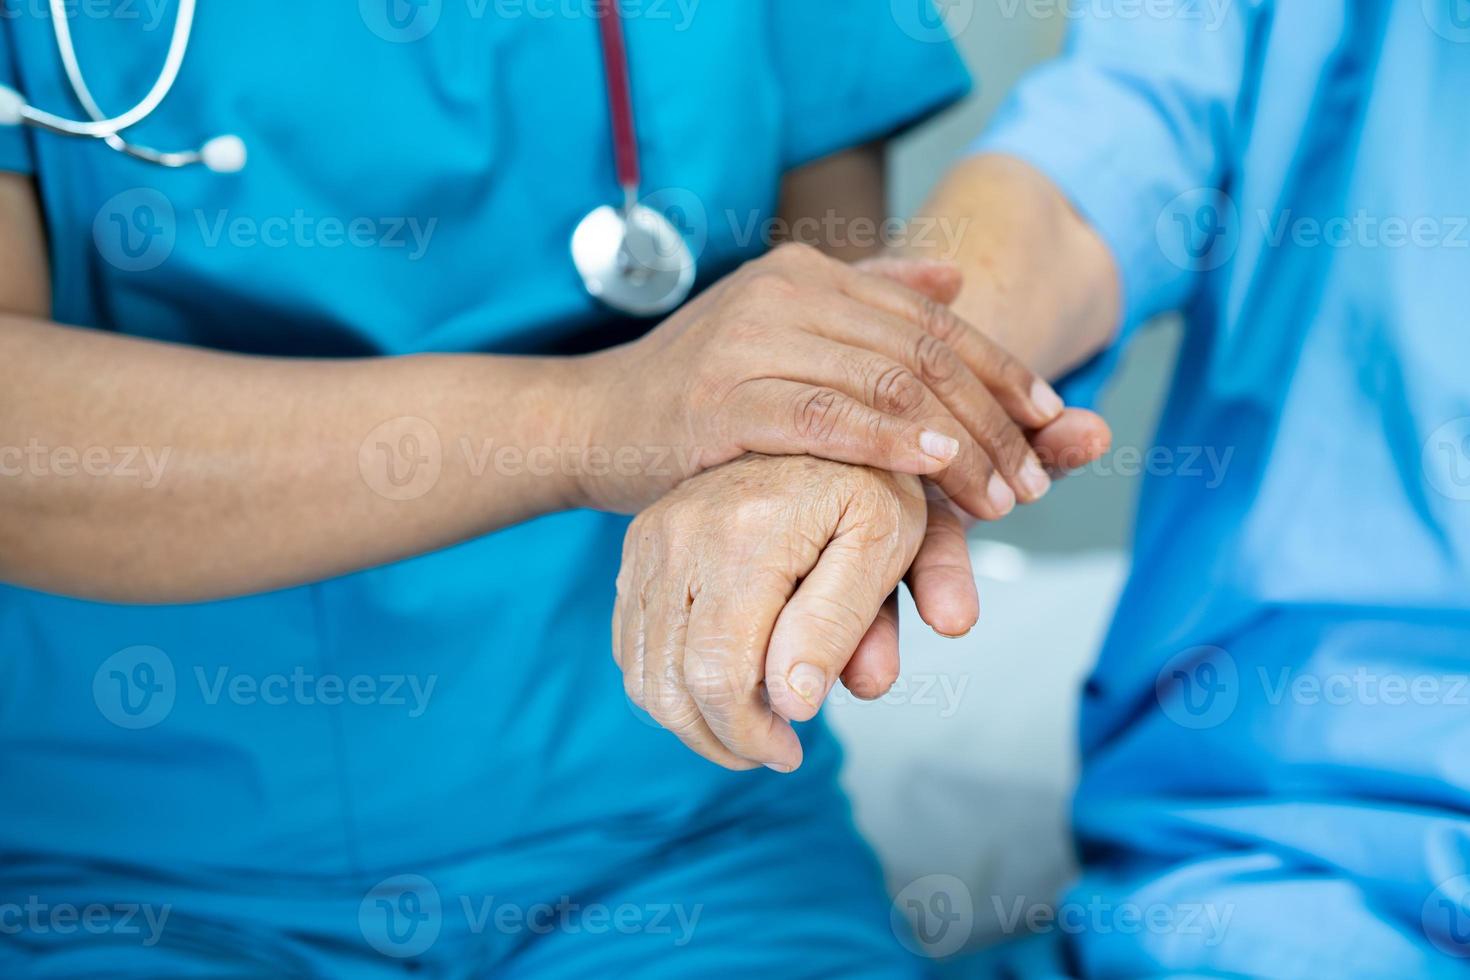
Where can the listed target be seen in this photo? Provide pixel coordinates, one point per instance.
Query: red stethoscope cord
(619, 96)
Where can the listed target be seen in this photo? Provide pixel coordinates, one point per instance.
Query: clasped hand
(748, 590)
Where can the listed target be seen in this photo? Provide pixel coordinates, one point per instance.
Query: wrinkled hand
(796, 353)
(942, 580)
(745, 592)
(712, 669)
(748, 591)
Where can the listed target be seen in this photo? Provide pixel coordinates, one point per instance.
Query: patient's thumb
(1076, 438)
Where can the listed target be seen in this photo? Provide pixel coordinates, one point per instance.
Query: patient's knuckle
(633, 685)
(676, 522)
(712, 682)
(668, 706)
(748, 514)
(882, 511)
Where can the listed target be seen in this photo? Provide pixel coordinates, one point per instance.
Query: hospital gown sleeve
(15, 141)
(1134, 123)
(855, 71)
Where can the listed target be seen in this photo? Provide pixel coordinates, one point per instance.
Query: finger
(676, 711)
(875, 384)
(1025, 396)
(1075, 439)
(671, 704)
(795, 417)
(628, 620)
(724, 672)
(665, 695)
(937, 368)
(941, 578)
(938, 279)
(874, 665)
(820, 628)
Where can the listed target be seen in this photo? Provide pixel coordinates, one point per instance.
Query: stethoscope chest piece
(633, 259)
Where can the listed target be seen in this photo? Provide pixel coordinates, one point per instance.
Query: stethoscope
(223, 154)
(630, 257)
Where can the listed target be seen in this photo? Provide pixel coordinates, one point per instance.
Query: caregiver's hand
(744, 592)
(797, 353)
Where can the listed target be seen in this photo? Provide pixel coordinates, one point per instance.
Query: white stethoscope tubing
(101, 126)
(223, 154)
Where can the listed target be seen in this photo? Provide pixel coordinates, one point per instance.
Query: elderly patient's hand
(749, 590)
(745, 593)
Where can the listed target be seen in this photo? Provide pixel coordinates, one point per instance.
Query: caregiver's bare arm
(1039, 280)
(140, 471)
(135, 471)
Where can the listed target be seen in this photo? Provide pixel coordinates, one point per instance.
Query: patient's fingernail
(938, 446)
(1034, 479)
(776, 767)
(1001, 498)
(1046, 400)
(809, 683)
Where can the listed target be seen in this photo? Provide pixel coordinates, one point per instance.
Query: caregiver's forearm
(137, 471)
(1038, 280)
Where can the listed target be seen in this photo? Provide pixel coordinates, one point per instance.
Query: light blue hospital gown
(428, 766)
(1276, 733)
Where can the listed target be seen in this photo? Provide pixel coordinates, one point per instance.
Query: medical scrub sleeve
(857, 71)
(15, 141)
(1133, 119)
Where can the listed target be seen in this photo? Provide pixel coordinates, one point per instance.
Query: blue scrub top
(1276, 727)
(415, 174)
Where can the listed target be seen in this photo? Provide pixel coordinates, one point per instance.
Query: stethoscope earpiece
(224, 154)
(12, 107)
